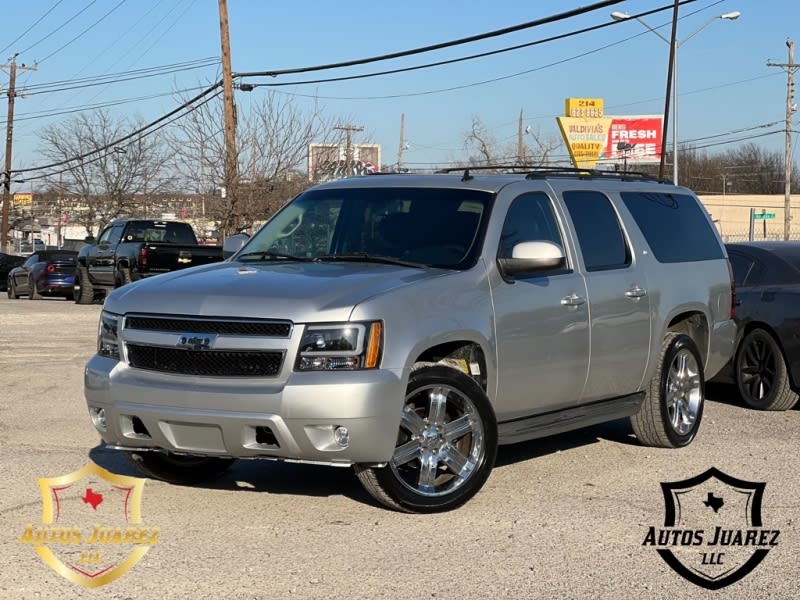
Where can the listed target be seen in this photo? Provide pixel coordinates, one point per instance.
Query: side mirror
(529, 257)
(89, 239)
(233, 244)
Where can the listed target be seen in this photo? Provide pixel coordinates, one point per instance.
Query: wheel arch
(693, 323)
(467, 356)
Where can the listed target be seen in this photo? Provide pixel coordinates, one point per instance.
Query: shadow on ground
(312, 480)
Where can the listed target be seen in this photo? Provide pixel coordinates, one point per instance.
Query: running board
(568, 419)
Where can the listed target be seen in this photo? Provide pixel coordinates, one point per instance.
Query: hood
(300, 292)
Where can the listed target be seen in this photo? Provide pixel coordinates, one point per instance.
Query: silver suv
(406, 325)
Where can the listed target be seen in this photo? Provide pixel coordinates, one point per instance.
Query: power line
(75, 109)
(458, 42)
(60, 27)
(35, 23)
(82, 33)
(112, 147)
(465, 58)
(67, 84)
(119, 141)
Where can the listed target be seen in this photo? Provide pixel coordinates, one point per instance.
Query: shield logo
(722, 515)
(91, 529)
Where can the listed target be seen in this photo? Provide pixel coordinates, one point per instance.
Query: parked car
(130, 250)
(28, 246)
(766, 365)
(44, 273)
(406, 325)
(8, 262)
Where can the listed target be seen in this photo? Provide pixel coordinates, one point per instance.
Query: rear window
(675, 226)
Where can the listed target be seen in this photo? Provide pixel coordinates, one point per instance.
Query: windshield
(436, 227)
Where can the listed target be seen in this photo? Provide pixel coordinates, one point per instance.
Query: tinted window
(599, 233)
(741, 266)
(530, 218)
(429, 226)
(111, 235)
(675, 226)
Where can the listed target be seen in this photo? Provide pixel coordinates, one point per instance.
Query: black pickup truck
(128, 250)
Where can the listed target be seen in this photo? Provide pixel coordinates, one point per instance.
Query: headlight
(107, 335)
(340, 347)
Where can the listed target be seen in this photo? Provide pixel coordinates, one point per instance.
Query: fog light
(98, 416)
(341, 436)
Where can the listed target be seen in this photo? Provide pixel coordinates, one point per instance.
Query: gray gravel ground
(562, 517)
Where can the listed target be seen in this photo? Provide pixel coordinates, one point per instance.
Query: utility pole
(58, 214)
(790, 67)
(231, 158)
(402, 143)
(12, 94)
(348, 152)
(520, 143)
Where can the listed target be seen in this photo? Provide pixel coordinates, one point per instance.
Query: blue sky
(725, 84)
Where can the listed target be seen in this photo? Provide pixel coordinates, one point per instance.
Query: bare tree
(483, 148)
(111, 181)
(272, 139)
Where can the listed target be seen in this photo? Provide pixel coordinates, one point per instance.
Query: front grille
(214, 363)
(278, 329)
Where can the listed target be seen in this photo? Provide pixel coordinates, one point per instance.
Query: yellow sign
(583, 107)
(585, 139)
(23, 199)
(91, 529)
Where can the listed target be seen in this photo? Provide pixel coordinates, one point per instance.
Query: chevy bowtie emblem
(185, 260)
(197, 342)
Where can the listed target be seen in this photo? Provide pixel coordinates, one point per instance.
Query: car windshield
(437, 227)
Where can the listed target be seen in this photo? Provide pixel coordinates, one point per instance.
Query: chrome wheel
(684, 392)
(672, 409)
(446, 444)
(441, 441)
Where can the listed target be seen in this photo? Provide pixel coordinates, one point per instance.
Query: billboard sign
(330, 161)
(642, 132)
(23, 198)
(586, 138)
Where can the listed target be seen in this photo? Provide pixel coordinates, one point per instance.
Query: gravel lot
(562, 517)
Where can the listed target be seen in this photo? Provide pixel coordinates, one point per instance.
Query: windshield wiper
(365, 257)
(265, 254)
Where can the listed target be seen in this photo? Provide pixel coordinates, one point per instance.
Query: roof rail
(543, 172)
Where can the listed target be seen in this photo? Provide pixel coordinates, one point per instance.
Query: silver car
(406, 325)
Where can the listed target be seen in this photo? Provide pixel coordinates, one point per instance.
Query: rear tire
(446, 445)
(84, 290)
(175, 468)
(761, 373)
(124, 276)
(11, 292)
(673, 406)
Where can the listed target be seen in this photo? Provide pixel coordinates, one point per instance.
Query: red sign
(635, 139)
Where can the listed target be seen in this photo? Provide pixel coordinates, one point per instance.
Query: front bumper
(249, 418)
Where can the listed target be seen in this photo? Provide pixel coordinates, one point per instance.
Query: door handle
(636, 292)
(573, 300)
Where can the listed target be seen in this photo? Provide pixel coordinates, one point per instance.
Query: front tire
(11, 292)
(761, 373)
(446, 445)
(673, 406)
(180, 469)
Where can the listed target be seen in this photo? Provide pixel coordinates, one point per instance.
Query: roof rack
(543, 172)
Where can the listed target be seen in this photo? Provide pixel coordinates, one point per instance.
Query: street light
(728, 16)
